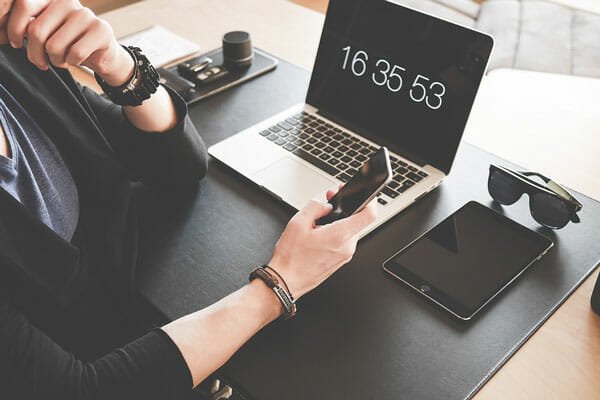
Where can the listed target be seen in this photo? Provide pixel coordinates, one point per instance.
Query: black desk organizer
(361, 335)
(192, 92)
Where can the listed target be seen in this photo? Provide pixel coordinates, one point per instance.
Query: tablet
(468, 259)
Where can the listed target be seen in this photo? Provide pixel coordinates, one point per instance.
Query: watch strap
(144, 82)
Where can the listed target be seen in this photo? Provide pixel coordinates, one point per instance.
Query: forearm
(209, 337)
(157, 114)
(304, 256)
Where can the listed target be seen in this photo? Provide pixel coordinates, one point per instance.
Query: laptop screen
(401, 78)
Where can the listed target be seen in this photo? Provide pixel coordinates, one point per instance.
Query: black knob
(237, 49)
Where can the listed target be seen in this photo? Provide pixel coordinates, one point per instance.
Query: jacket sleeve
(176, 158)
(33, 366)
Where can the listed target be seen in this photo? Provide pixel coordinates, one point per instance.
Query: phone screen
(361, 188)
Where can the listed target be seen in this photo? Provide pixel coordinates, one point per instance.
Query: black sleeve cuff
(164, 368)
(182, 377)
(173, 158)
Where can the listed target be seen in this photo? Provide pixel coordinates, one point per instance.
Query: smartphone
(370, 179)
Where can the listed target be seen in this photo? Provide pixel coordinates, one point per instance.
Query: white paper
(160, 45)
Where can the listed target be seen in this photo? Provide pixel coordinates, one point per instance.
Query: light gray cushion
(501, 19)
(529, 34)
(458, 13)
(585, 42)
(542, 36)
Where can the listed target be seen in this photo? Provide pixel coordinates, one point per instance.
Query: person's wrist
(121, 71)
(270, 303)
(280, 266)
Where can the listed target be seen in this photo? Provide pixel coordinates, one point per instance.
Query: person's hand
(5, 6)
(63, 33)
(306, 254)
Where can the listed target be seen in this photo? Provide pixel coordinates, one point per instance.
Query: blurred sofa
(530, 34)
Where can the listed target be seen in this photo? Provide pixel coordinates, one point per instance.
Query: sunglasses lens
(549, 210)
(504, 188)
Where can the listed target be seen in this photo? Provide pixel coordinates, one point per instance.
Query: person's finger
(330, 194)
(5, 6)
(85, 49)
(359, 221)
(314, 210)
(3, 22)
(21, 14)
(41, 29)
(72, 30)
(351, 226)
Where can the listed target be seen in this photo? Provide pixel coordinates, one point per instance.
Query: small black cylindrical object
(237, 50)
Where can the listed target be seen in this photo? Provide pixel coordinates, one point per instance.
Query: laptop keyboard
(336, 152)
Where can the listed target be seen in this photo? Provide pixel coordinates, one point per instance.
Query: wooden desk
(544, 122)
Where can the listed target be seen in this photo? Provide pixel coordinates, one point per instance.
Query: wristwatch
(144, 82)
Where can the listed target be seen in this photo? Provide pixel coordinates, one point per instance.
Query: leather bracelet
(273, 283)
(269, 268)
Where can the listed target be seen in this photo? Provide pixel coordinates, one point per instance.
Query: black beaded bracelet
(273, 283)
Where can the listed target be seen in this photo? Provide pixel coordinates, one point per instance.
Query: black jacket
(104, 154)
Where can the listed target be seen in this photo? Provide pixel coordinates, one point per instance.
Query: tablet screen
(468, 258)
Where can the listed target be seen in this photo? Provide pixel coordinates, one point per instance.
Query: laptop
(384, 75)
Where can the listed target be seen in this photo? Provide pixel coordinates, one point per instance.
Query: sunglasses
(551, 204)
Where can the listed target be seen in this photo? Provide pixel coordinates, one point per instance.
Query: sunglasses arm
(528, 173)
(557, 188)
(560, 190)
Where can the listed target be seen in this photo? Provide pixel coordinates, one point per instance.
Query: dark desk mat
(361, 335)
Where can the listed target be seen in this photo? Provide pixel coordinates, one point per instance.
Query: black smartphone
(370, 179)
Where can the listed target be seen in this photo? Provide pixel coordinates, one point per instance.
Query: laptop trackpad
(293, 181)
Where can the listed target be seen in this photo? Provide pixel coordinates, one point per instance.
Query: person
(68, 228)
